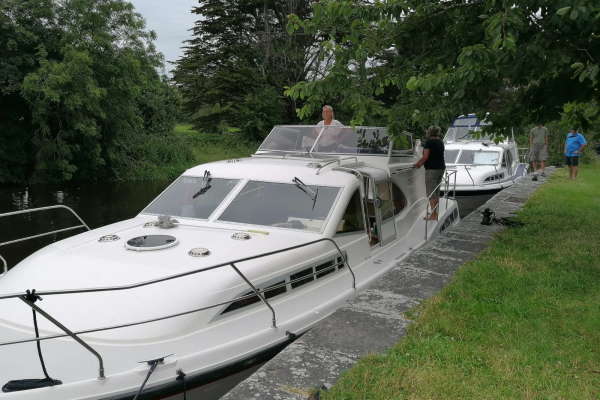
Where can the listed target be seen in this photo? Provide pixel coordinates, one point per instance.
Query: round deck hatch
(151, 242)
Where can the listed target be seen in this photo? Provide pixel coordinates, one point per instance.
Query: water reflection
(98, 204)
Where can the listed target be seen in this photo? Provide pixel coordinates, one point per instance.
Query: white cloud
(171, 20)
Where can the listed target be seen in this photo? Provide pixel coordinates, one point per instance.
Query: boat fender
(25, 384)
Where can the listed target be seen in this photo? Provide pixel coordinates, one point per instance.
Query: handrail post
(5, 266)
(258, 293)
(345, 259)
(70, 333)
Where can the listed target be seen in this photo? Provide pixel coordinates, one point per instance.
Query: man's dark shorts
(572, 161)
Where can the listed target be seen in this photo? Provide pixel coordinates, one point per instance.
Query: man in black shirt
(433, 159)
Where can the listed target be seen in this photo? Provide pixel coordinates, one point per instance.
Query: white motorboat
(233, 260)
(480, 163)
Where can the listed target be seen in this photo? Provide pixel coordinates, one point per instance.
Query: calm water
(98, 205)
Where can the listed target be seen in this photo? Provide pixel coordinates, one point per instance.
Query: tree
(423, 62)
(238, 63)
(80, 82)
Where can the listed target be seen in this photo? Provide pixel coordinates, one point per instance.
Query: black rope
(32, 297)
(181, 377)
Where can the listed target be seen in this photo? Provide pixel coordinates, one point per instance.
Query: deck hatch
(151, 242)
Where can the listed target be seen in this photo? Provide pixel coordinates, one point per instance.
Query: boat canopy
(315, 139)
(466, 128)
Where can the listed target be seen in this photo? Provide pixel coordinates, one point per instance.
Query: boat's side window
(399, 199)
(504, 159)
(386, 204)
(250, 297)
(353, 220)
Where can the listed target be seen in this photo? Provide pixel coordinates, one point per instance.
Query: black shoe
(534, 178)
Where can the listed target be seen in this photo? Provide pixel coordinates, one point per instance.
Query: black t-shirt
(436, 154)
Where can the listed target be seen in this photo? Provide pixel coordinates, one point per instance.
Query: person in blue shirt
(574, 145)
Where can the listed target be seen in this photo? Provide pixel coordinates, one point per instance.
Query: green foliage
(424, 62)
(79, 88)
(238, 62)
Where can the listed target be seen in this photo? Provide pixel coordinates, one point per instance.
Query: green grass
(522, 321)
(208, 147)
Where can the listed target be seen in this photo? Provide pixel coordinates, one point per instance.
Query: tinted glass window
(477, 157)
(399, 199)
(450, 156)
(352, 221)
(282, 205)
(336, 139)
(191, 197)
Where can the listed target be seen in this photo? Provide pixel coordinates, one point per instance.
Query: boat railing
(523, 155)
(4, 266)
(33, 210)
(338, 161)
(448, 175)
(30, 295)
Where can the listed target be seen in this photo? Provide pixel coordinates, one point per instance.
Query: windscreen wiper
(306, 189)
(204, 185)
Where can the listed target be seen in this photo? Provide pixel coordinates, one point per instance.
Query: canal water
(100, 204)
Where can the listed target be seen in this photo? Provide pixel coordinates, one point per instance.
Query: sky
(171, 20)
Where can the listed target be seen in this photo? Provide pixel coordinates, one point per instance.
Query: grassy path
(522, 321)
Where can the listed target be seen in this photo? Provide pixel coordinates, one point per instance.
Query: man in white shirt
(328, 120)
(328, 117)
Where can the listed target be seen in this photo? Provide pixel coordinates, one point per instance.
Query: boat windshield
(191, 197)
(293, 205)
(327, 139)
(467, 128)
(479, 157)
(450, 156)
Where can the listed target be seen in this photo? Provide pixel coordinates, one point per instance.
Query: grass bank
(166, 157)
(208, 147)
(522, 321)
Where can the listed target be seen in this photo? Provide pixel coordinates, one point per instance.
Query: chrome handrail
(180, 275)
(68, 332)
(32, 210)
(5, 266)
(74, 336)
(157, 319)
(338, 161)
(444, 180)
(259, 294)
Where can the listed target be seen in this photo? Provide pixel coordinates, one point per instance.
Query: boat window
(385, 197)
(247, 299)
(328, 139)
(352, 220)
(296, 279)
(402, 144)
(191, 197)
(325, 268)
(282, 205)
(399, 199)
(450, 156)
(478, 157)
